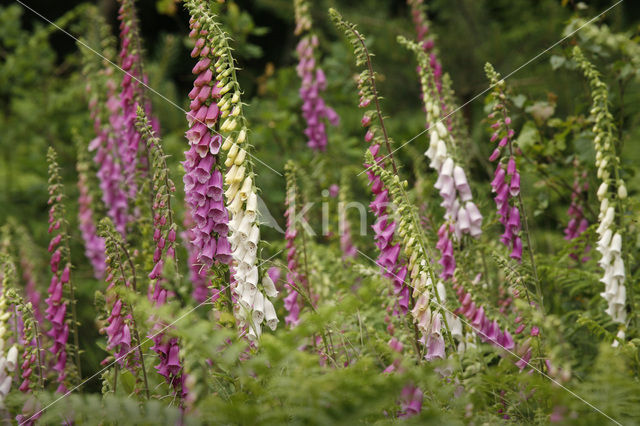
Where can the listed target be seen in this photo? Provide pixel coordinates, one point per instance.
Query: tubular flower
(93, 244)
(61, 270)
(314, 110)
(295, 280)
(506, 181)
(577, 222)
(203, 182)
(612, 194)
(251, 287)
(462, 216)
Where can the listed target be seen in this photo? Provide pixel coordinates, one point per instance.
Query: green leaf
(528, 136)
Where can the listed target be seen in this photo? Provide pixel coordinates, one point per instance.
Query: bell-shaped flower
(258, 308)
(270, 315)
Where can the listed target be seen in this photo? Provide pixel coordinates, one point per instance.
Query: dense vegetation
(289, 211)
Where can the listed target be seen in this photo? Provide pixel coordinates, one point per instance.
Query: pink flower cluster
(445, 246)
(314, 109)
(168, 350)
(203, 181)
(578, 223)
(94, 245)
(119, 333)
(130, 95)
(163, 237)
(506, 184)
(385, 226)
(489, 331)
(56, 305)
(461, 214)
(384, 229)
(28, 361)
(411, 401)
(422, 32)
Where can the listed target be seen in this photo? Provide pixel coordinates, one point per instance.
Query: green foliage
(329, 369)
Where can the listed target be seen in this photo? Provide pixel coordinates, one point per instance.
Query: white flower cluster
(9, 359)
(253, 306)
(452, 181)
(610, 247)
(611, 193)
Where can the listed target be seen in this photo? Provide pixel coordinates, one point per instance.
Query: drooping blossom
(314, 82)
(203, 181)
